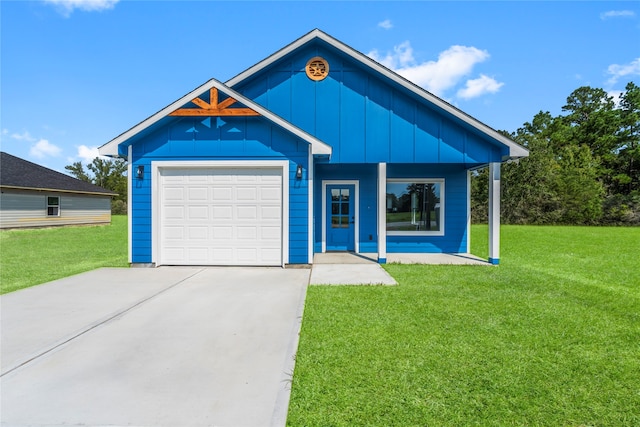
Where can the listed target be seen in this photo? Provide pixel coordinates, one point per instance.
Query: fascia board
(57, 190)
(318, 147)
(515, 150)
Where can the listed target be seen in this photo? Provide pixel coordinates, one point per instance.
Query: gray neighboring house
(34, 196)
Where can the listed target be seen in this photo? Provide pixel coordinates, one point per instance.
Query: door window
(340, 207)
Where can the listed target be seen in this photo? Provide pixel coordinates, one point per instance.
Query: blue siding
(455, 220)
(367, 175)
(227, 138)
(363, 116)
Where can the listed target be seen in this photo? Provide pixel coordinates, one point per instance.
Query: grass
(35, 256)
(549, 338)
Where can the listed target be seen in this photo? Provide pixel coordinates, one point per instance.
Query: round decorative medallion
(317, 68)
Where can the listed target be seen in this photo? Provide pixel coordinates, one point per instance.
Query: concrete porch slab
(398, 258)
(436, 259)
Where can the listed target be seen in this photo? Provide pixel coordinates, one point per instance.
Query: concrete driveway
(152, 347)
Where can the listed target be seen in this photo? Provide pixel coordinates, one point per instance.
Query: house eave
(56, 190)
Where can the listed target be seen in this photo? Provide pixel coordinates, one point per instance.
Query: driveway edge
(281, 409)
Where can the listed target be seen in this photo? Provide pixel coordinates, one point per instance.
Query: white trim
(111, 147)
(442, 207)
(494, 212)
(356, 201)
(156, 166)
(130, 204)
(310, 172)
(382, 211)
(469, 211)
(515, 150)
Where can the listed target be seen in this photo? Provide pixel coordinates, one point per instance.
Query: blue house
(316, 148)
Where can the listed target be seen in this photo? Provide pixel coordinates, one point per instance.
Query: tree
(109, 174)
(627, 179)
(593, 121)
(77, 170)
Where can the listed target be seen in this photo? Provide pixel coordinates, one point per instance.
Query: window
(415, 207)
(340, 208)
(53, 206)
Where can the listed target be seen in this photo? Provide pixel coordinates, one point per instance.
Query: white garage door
(223, 216)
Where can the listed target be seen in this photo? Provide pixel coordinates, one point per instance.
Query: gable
(201, 104)
(367, 113)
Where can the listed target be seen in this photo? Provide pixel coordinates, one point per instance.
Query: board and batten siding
(225, 138)
(23, 208)
(364, 117)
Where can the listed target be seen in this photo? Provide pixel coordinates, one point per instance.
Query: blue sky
(77, 73)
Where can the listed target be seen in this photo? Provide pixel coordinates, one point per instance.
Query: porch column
(311, 211)
(382, 213)
(494, 213)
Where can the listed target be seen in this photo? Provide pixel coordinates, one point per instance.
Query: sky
(75, 74)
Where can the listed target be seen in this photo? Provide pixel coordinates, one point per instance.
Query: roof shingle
(19, 173)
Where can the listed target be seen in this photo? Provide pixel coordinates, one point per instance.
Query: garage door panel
(222, 212)
(249, 212)
(222, 193)
(221, 216)
(198, 233)
(174, 193)
(245, 233)
(173, 233)
(270, 194)
(247, 193)
(270, 212)
(198, 254)
(174, 212)
(270, 233)
(198, 212)
(198, 193)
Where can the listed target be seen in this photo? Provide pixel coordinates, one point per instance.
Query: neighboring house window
(53, 206)
(415, 207)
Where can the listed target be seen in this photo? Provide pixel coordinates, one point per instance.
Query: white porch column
(468, 211)
(310, 191)
(382, 213)
(494, 213)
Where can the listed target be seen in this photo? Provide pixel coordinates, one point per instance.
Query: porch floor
(368, 258)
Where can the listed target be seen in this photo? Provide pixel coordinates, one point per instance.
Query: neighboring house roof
(515, 150)
(17, 173)
(317, 146)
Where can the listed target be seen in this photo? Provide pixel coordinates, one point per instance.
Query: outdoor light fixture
(299, 172)
(140, 172)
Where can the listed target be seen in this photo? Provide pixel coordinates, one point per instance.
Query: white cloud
(44, 148)
(480, 86)
(87, 154)
(66, 7)
(617, 97)
(386, 24)
(617, 14)
(617, 71)
(435, 76)
(24, 136)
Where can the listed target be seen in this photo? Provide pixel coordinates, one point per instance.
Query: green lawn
(551, 337)
(31, 257)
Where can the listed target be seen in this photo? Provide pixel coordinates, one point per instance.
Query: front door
(340, 217)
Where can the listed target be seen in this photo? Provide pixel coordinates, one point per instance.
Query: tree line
(583, 167)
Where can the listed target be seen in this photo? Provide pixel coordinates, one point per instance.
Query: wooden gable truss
(213, 108)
